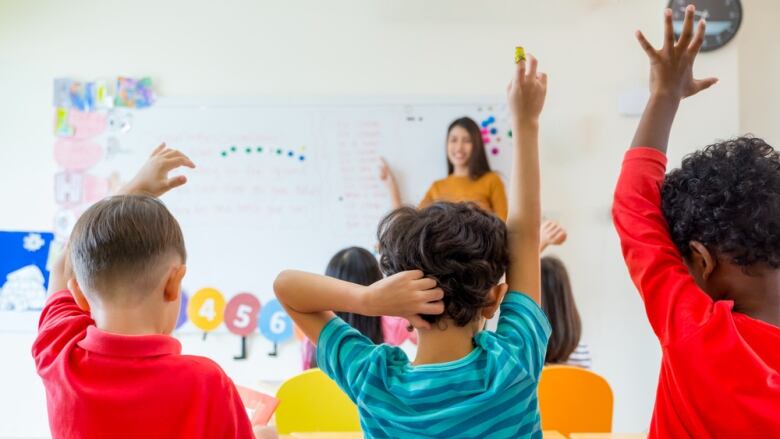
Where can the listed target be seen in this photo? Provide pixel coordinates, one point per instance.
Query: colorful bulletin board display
(24, 272)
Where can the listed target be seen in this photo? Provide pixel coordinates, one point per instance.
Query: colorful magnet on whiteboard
(241, 314)
(519, 54)
(206, 309)
(274, 323)
(182, 310)
(493, 131)
(484, 131)
(495, 151)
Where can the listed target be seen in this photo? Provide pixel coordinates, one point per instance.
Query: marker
(519, 54)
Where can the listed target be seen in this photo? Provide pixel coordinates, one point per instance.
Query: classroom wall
(759, 70)
(356, 47)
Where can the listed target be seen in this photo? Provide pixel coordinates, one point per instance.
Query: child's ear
(173, 284)
(78, 295)
(704, 262)
(495, 296)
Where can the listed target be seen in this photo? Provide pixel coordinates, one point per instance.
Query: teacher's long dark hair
(478, 162)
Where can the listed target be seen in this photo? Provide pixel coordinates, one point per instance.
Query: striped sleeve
(343, 353)
(523, 324)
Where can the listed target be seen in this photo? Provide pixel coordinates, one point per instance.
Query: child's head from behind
(128, 253)
(561, 310)
(358, 265)
(723, 210)
(459, 245)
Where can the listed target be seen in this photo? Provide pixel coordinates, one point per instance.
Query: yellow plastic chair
(312, 402)
(572, 399)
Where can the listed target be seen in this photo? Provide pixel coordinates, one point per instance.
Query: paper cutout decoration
(77, 155)
(67, 188)
(182, 310)
(259, 406)
(87, 124)
(82, 96)
(64, 220)
(241, 314)
(62, 92)
(274, 323)
(134, 93)
(62, 127)
(119, 121)
(206, 309)
(23, 270)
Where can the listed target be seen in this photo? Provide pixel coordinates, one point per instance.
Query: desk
(608, 436)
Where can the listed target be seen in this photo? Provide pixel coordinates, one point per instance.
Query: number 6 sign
(241, 314)
(275, 324)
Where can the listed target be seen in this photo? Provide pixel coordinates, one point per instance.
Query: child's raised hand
(527, 91)
(671, 67)
(551, 234)
(406, 294)
(152, 179)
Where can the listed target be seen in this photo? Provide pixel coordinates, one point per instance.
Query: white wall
(435, 47)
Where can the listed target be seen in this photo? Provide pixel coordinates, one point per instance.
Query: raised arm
(526, 94)
(671, 79)
(152, 180)
(675, 306)
(310, 299)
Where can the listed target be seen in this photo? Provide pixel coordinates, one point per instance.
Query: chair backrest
(573, 399)
(312, 402)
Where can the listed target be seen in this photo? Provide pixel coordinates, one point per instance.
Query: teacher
(470, 177)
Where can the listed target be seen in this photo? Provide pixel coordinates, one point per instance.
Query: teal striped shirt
(490, 393)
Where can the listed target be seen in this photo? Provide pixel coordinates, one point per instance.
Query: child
(558, 304)
(103, 349)
(445, 262)
(359, 266)
(702, 245)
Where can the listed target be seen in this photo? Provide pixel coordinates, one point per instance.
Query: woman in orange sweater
(470, 177)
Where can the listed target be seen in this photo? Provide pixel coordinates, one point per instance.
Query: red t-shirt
(100, 384)
(720, 372)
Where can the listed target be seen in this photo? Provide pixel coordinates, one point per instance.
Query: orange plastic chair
(572, 399)
(312, 402)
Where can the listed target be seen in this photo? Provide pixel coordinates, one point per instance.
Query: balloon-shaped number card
(206, 309)
(241, 314)
(275, 324)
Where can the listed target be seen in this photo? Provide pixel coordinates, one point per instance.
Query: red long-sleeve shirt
(101, 385)
(720, 371)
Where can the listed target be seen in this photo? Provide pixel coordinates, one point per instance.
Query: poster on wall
(24, 270)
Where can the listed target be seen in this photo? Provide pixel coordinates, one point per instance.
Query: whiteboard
(280, 183)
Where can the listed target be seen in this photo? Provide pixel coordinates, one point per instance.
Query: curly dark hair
(461, 246)
(727, 196)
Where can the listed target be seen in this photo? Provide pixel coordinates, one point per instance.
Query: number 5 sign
(241, 314)
(275, 324)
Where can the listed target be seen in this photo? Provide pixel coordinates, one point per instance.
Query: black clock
(723, 19)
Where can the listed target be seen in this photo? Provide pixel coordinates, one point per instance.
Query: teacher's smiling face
(459, 147)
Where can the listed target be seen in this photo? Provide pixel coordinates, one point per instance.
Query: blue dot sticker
(274, 323)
